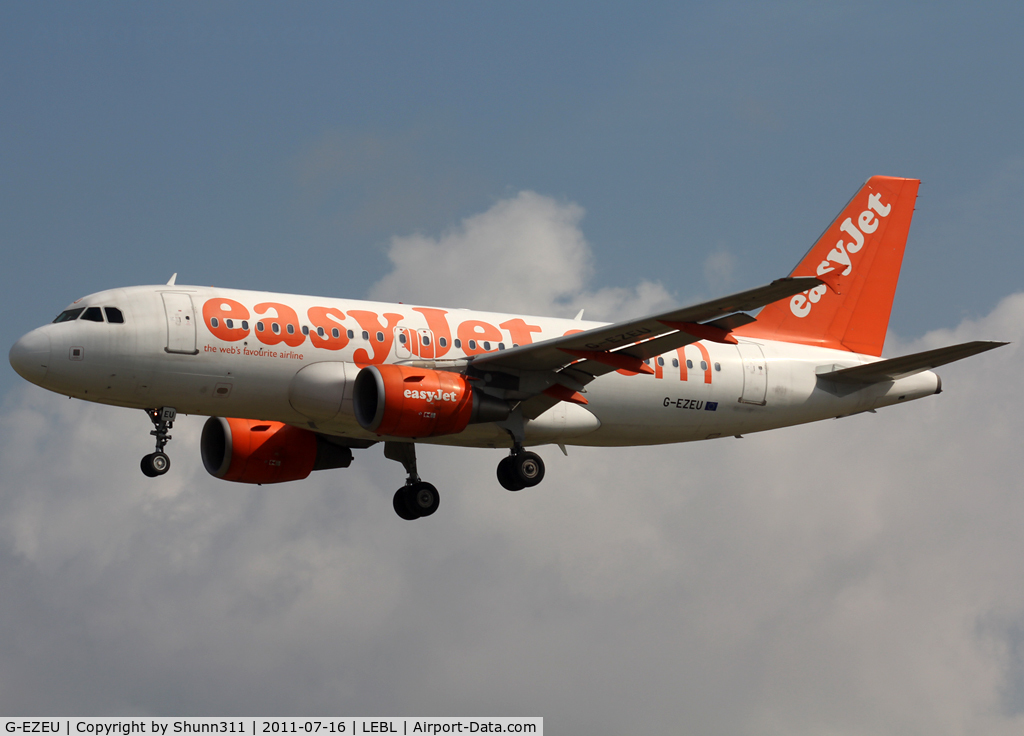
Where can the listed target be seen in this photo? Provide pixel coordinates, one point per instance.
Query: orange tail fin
(859, 257)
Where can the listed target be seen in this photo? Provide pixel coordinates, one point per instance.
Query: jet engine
(250, 451)
(402, 401)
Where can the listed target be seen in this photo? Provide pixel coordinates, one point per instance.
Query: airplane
(293, 384)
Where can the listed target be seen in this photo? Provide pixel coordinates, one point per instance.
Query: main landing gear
(520, 470)
(416, 498)
(157, 463)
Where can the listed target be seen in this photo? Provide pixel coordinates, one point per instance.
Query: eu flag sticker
(711, 406)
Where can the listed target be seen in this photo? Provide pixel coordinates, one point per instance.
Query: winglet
(173, 279)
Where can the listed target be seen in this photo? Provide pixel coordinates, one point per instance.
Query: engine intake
(402, 401)
(250, 451)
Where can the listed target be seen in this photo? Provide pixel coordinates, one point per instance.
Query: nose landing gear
(157, 463)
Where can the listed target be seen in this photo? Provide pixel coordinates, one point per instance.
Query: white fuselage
(174, 349)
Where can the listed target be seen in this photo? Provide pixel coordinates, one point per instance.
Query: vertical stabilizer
(859, 257)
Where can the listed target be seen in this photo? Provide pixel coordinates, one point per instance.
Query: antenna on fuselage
(173, 277)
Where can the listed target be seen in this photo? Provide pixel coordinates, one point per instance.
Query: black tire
(147, 466)
(527, 468)
(423, 498)
(401, 505)
(506, 475)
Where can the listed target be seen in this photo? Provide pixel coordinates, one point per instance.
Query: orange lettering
(216, 313)
(520, 331)
(473, 329)
(707, 361)
(282, 327)
(369, 322)
(320, 318)
(438, 326)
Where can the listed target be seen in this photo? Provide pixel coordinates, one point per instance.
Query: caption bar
(261, 726)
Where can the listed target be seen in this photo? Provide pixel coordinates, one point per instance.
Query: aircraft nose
(30, 356)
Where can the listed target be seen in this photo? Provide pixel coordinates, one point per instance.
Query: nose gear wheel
(157, 463)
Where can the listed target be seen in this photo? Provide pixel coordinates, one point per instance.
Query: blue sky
(290, 147)
(281, 146)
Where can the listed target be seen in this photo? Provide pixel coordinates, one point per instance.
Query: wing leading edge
(574, 360)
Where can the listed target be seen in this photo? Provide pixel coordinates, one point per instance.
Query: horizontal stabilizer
(907, 365)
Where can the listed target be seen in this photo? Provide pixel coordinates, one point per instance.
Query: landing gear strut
(520, 470)
(416, 498)
(157, 463)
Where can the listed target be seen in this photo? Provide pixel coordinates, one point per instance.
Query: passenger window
(501, 346)
(443, 342)
(718, 366)
(401, 337)
(380, 337)
(661, 361)
(689, 364)
(229, 323)
(276, 328)
(93, 314)
(487, 345)
(259, 327)
(458, 343)
(351, 334)
(114, 315)
(472, 344)
(366, 335)
(69, 315)
(291, 329)
(703, 366)
(675, 362)
(335, 334)
(426, 340)
(245, 324)
(320, 331)
(214, 322)
(305, 330)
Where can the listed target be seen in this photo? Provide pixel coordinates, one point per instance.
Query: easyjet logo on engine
(841, 257)
(431, 396)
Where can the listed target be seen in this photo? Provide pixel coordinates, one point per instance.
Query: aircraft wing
(627, 344)
(575, 360)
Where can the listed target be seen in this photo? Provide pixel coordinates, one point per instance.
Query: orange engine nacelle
(402, 401)
(250, 451)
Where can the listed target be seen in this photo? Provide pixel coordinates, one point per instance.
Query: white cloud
(524, 254)
(854, 576)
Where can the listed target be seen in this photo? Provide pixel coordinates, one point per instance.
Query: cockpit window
(114, 315)
(69, 314)
(93, 314)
